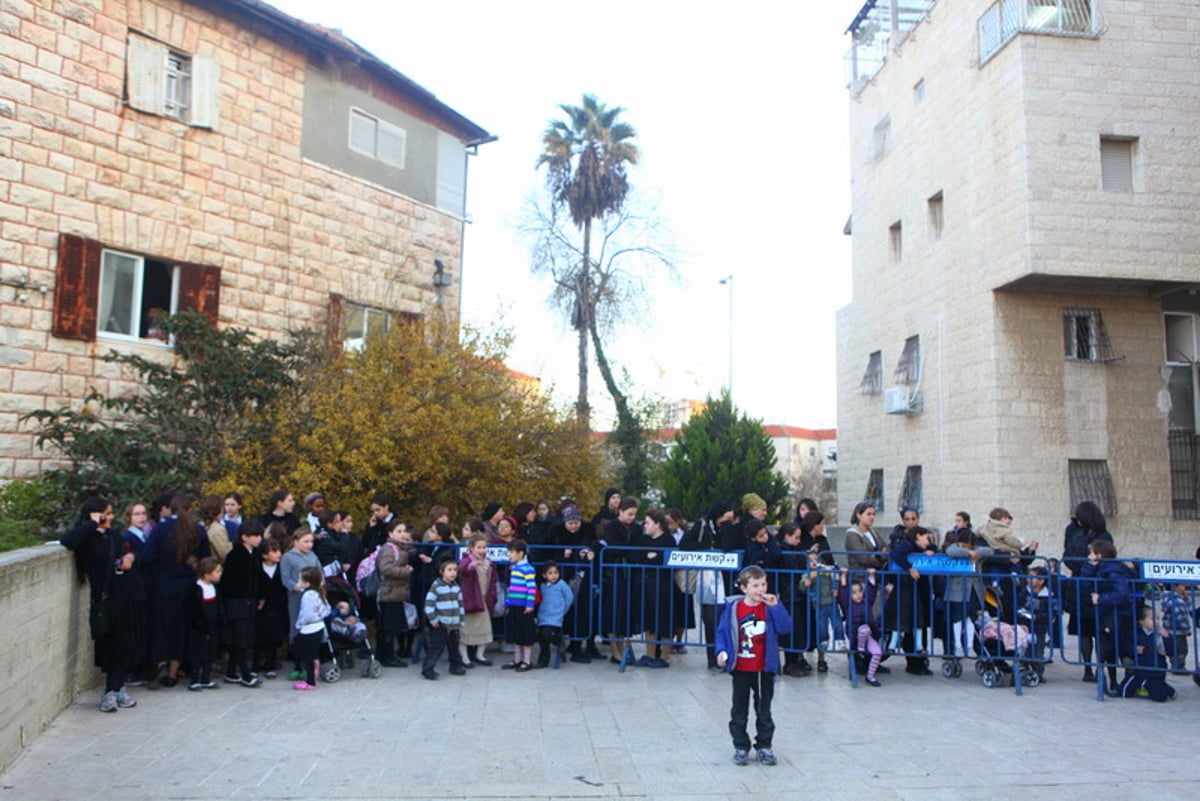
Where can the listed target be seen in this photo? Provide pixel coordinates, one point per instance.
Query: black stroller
(345, 650)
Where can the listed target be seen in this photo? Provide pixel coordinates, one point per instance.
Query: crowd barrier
(994, 615)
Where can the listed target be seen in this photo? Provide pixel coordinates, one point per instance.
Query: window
(123, 295)
(350, 325)
(910, 490)
(1116, 164)
(882, 138)
(874, 493)
(373, 137)
(166, 82)
(896, 241)
(360, 323)
(1084, 336)
(919, 91)
(136, 294)
(872, 380)
(1090, 481)
(936, 216)
(908, 369)
(1183, 389)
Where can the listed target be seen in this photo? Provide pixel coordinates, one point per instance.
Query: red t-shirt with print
(752, 637)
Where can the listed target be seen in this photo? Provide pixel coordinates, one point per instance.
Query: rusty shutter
(76, 287)
(200, 289)
(333, 324)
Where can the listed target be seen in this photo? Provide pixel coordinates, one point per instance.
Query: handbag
(501, 599)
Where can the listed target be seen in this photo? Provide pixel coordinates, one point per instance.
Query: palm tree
(586, 155)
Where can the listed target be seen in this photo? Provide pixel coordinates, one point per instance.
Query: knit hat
(512, 521)
(570, 513)
(608, 493)
(751, 502)
(490, 510)
(718, 510)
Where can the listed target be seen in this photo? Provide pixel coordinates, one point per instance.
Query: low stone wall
(45, 647)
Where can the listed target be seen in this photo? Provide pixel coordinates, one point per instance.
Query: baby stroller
(345, 649)
(999, 641)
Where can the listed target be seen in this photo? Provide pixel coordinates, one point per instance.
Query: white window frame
(381, 134)
(170, 83)
(1186, 360)
(356, 344)
(104, 299)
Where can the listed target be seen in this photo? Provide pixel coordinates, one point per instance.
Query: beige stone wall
(1014, 147)
(45, 641)
(74, 159)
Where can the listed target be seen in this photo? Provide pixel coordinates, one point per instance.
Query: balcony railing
(1006, 18)
(880, 27)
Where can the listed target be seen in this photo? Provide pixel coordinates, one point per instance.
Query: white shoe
(108, 703)
(124, 701)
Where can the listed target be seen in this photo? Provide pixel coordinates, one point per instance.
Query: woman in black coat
(106, 564)
(1087, 525)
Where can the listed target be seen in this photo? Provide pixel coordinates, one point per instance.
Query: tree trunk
(583, 411)
(624, 416)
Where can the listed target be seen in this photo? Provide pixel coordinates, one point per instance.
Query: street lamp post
(728, 282)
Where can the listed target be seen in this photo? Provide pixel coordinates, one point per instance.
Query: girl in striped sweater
(519, 625)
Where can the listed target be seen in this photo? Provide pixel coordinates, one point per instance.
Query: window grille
(874, 493)
(911, 489)
(1090, 481)
(1184, 450)
(908, 369)
(1084, 336)
(872, 380)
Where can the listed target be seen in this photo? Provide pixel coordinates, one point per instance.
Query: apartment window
(1183, 388)
(1090, 481)
(919, 91)
(124, 295)
(910, 490)
(896, 241)
(872, 380)
(908, 369)
(373, 137)
(362, 322)
(882, 138)
(936, 216)
(1084, 336)
(136, 294)
(167, 82)
(1116, 164)
(874, 493)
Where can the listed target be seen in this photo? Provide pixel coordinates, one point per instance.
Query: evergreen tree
(721, 454)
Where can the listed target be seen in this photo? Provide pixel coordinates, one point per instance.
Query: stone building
(1026, 265)
(216, 155)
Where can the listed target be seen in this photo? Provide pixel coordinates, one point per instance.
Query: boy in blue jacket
(747, 646)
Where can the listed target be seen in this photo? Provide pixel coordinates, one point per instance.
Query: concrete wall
(44, 639)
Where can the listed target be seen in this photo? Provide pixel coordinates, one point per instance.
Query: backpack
(367, 576)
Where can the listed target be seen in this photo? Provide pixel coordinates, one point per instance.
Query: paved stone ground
(591, 732)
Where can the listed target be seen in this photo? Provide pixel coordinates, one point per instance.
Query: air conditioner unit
(897, 400)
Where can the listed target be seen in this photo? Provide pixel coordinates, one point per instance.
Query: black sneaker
(251, 681)
(232, 679)
(430, 674)
(458, 670)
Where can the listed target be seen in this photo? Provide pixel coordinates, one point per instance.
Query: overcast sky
(741, 116)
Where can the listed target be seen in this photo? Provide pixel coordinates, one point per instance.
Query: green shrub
(29, 510)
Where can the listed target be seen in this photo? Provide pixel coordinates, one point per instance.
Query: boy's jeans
(762, 685)
(829, 616)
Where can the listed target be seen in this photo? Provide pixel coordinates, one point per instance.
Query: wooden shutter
(200, 289)
(333, 324)
(206, 74)
(145, 68)
(77, 287)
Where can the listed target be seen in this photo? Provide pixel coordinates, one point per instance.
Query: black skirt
(520, 628)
